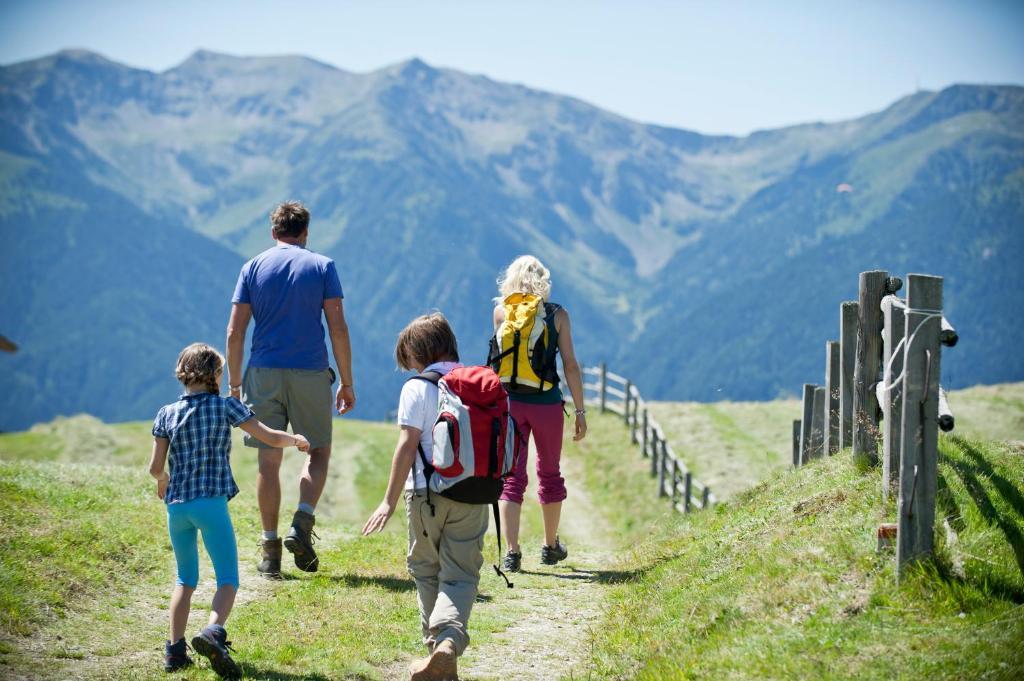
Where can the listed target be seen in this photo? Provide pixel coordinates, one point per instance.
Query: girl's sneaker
(551, 555)
(212, 643)
(176, 656)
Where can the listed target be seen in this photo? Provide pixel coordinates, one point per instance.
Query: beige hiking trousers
(445, 556)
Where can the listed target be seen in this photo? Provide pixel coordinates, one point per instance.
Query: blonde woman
(536, 405)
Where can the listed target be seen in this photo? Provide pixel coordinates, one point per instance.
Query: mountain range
(702, 267)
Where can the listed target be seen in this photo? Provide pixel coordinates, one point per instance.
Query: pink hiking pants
(546, 422)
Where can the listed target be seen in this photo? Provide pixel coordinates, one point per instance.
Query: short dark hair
(426, 340)
(291, 219)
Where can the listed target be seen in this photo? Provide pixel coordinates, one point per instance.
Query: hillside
(781, 581)
(735, 445)
(131, 198)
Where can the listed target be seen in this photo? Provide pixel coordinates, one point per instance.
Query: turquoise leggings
(210, 516)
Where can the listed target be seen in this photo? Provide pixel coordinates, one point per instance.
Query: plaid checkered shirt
(199, 428)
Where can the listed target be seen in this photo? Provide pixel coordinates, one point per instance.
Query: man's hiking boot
(270, 565)
(551, 555)
(299, 541)
(440, 665)
(176, 656)
(513, 561)
(213, 644)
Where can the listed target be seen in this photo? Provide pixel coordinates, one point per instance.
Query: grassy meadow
(781, 581)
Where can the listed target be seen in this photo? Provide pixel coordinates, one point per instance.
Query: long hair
(200, 363)
(526, 274)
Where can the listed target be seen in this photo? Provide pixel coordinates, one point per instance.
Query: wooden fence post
(654, 452)
(796, 443)
(832, 397)
(869, 356)
(643, 447)
(848, 358)
(918, 449)
(675, 480)
(604, 386)
(818, 422)
(892, 401)
(663, 468)
(625, 405)
(705, 497)
(636, 413)
(805, 424)
(687, 490)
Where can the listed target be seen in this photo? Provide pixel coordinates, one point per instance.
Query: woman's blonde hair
(426, 340)
(200, 363)
(526, 274)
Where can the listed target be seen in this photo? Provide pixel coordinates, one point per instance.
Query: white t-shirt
(417, 407)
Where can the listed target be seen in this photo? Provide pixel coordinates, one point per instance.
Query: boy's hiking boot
(213, 644)
(513, 561)
(551, 555)
(176, 656)
(440, 665)
(270, 565)
(299, 541)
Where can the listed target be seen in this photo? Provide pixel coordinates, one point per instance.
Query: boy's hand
(301, 443)
(379, 519)
(581, 428)
(161, 487)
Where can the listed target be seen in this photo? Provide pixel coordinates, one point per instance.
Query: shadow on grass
(250, 671)
(605, 576)
(396, 584)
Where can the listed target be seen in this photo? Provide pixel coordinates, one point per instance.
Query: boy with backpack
(456, 444)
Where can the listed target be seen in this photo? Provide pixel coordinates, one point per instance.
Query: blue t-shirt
(286, 287)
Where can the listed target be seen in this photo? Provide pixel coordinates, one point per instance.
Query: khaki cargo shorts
(301, 398)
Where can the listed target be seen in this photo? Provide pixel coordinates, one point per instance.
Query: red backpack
(476, 441)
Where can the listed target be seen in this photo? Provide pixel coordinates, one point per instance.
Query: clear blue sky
(728, 67)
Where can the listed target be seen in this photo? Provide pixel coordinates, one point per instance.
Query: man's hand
(301, 443)
(379, 519)
(161, 486)
(345, 399)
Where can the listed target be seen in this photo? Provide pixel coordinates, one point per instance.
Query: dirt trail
(555, 607)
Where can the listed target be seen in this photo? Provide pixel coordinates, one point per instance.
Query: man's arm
(241, 313)
(337, 327)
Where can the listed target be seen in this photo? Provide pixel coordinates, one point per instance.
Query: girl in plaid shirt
(193, 435)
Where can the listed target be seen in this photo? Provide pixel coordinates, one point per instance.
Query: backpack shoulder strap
(428, 468)
(428, 376)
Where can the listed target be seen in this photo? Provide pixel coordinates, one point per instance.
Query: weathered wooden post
(663, 468)
(818, 422)
(625, 405)
(687, 491)
(654, 452)
(848, 315)
(643, 447)
(633, 422)
(675, 480)
(705, 497)
(892, 401)
(796, 442)
(805, 423)
(865, 371)
(603, 386)
(832, 395)
(919, 446)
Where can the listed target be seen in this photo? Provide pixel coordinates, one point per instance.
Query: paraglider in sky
(844, 188)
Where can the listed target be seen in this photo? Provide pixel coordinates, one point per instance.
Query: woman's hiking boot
(513, 561)
(270, 565)
(176, 656)
(213, 644)
(440, 665)
(551, 555)
(299, 541)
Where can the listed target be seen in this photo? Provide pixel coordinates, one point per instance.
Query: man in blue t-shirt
(286, 289)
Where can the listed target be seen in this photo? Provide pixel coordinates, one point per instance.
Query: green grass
(785, 582)
(734, 445)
